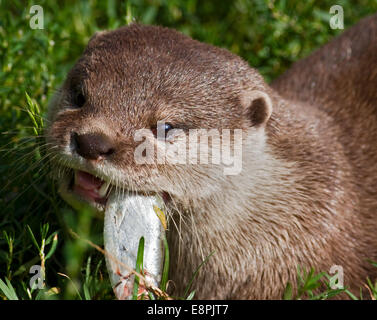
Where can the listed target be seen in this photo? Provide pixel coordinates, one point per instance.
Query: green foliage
(139, 267)
(311, 285)
(165, 270)
(8, 290)
(318, 286)
(187, 295)
(269, 34)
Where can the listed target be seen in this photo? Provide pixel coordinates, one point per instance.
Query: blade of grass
(8, 290)
(191, 295)
(139, 267)
(33, 238)
(165, 271)
(196, 273)
(353, 297)
(288, 292)
(73, 284)
(53, 246)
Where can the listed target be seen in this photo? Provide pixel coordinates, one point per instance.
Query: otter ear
(257, 107)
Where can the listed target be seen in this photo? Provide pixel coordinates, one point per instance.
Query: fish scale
(128, 217)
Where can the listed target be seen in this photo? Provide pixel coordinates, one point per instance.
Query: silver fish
(128, 217)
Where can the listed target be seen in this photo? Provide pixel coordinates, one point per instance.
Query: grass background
(34, 222)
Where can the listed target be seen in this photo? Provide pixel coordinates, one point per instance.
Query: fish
(129, 217)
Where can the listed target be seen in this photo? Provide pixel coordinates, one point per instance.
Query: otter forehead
(157, 48)
(148, 69)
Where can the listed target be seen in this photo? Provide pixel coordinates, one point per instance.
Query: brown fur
(307, 193)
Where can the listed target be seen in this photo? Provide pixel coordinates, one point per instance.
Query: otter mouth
(89, 187)
(80, 188)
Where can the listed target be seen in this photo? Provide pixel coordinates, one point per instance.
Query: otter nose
(93, 145)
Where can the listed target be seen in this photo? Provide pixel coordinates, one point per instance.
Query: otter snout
(92, 146)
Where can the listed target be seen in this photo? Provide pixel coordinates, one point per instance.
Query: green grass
(35, 223)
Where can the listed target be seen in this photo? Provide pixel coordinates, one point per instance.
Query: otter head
(138, 91)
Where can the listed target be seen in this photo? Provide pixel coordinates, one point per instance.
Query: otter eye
(79, 100)
(161, 128)
(167, 127)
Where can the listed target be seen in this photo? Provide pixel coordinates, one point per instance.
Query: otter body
(307, 192)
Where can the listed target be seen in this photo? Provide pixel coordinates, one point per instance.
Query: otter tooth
(103, 190)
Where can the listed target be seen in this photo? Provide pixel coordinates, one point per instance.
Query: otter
(307, 192)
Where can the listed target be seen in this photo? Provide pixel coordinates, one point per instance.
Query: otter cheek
(128, 217)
